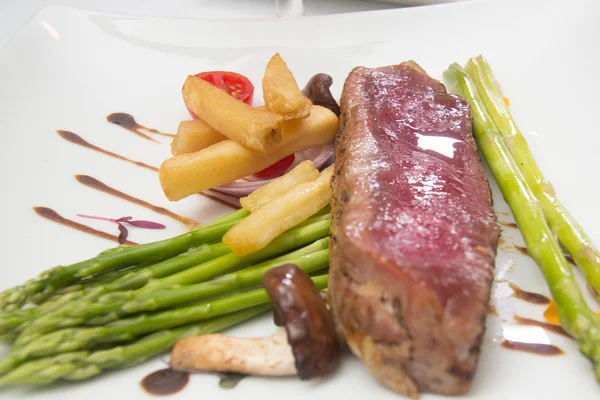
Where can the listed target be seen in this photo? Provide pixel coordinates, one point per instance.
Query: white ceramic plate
(67, 69)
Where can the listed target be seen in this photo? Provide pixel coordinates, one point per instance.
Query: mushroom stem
(268, 356)
(298, 306)
(308, 347)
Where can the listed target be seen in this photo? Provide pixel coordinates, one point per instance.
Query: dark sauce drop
(510, 224)
(541, 349)
(127, 121)
(102, 187)
(530, 297)
(76, 139)
(545, 325)
(52, 215)
(165, 382)
(521, 249)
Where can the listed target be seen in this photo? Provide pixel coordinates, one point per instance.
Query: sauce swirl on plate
(545, 325)
(127, 121)
(76, 139)
(541, 349)
(530, 297)
(94, 183)
(521, 249)
(52, 215)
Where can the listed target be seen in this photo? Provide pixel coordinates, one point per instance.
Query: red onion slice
(321, 157)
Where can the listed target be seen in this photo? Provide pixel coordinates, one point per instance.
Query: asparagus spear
(235, 216)
(285, 242)
(575, 315)
(99, 279)
(78, 289)
(170, 266)
(8, 337)
(228, 283)
(12, 320)
(10, 323)
(312, 220)
(73, 339)
(132, 280)
(82, 365)
(311, 258)
(570, 234)
(138, 279)
(40, 288)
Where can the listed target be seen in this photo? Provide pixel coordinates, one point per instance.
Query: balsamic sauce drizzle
(530, 297)
(52, 215)
(545, 325)
(76, 139)
(94, 183)
(541, 349)
(127, 121)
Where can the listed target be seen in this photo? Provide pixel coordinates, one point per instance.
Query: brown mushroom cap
(317, 90)
(309, 324)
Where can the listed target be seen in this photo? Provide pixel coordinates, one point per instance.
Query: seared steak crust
(414, 234)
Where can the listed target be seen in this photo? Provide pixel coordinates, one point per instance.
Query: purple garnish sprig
(123, 232)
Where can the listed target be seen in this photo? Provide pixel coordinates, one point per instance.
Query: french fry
(227, 161)
(258, 130)
(277, 216)
(193, 136)
(281, 92)
(302, 173)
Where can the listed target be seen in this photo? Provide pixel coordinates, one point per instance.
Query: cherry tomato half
(236, 85)
(276, 169)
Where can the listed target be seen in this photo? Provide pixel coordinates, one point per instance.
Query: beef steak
(414, 234)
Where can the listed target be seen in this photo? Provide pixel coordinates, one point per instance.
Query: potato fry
(227, 161)
(277, 216)
(302, 173)
(258, 130)
(193, 136)
(281, 92)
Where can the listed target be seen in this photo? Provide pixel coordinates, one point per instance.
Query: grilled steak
(414, 234)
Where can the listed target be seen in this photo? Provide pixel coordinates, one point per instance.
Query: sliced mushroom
(318, 91)
(300, 308)
(308, 346)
